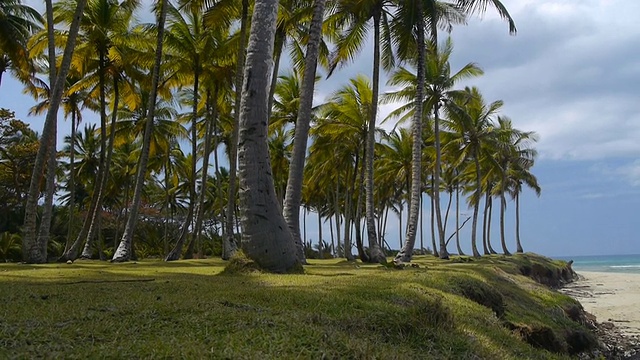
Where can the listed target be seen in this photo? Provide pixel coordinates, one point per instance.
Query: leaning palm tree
(34, 250)
(266, 237)
(123, 252)
(293, 196)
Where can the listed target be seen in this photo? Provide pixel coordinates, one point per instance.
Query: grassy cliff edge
(495, 307)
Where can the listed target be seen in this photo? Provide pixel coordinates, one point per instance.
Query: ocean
(606, 263)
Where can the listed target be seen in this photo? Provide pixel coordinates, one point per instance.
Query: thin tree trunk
(376, 254)
(197, 231)
(476, 205)
(97, 214)
(484, 224)
(277, 55)
(490, 209)
(406, 252)
(460, 252)
(266, 238)
(47, 211)
(518, 243)
(421, 224)
(124, 251)
(320, 243)
(503, 209)
(72, 183)
(293, 197)
(229, 244)
(31, 249)
(433, 227)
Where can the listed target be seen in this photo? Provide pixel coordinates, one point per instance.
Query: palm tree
(190, 43)
(355, 16)
(293, 196)
(123, 253)
(471, 122)
(344, 119)
(17, 23)
(440, 83)
(229, 243)
(33, 250)
(514, 158)
(266, 237)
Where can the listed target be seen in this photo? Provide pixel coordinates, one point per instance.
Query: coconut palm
(440, 89)
(345, 120)
(293, 196)
(17, 23)
(471, 124)
(266, 237)
(357, 17)
(123, 252)
(514, 158)
(34, 251)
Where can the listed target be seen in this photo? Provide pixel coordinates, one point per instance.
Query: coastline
(613, 298)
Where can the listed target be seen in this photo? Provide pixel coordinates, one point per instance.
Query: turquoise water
(610, 263)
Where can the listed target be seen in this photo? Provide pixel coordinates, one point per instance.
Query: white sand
(613, 297)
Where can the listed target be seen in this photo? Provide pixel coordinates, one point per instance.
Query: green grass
(189, 309)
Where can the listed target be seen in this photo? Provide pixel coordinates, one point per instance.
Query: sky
(571, 74)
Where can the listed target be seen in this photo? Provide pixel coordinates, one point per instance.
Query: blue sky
(571, 74)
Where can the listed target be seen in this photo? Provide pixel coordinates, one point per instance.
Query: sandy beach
(611, 297)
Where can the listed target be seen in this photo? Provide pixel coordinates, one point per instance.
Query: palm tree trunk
(503, 209)
(123, 253)
(293, 195)
(97, 214)
(433, 226)
(266, 238)
(436, 179)
(406, 252)
(31, 249)
(45, 223)
(460, 252)
(490, 211)
(375, 252)
(72, 182)
(205, 176)
(485, 244)
(277, 55)
(229, 244)
(476, 205)
(360, 171)
(47, 211)
(518, 244)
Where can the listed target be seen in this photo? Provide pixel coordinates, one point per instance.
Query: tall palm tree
(123, 252)
(293, 196)
(357, 17)
(229, 243)
(471, 122)
(190, 43)
(266, 237)
(514, 158)
(33, 250)
(440, 83)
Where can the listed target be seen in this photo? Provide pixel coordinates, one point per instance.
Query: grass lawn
(460, 309)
